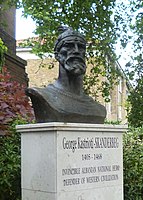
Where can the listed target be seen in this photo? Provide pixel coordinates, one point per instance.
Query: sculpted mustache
(74, 58)
(71, 59)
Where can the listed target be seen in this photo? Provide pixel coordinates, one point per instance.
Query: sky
(24, 27)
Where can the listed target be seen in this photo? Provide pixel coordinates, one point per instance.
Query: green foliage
(10, 168)
(133, 164)
(13, 101)
(52, 15)
(93, 19)
(102, 22)
(135, 108)
(113, 122)
(136, 62)
(3, 50)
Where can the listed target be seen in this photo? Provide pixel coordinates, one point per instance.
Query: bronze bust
(65, 100)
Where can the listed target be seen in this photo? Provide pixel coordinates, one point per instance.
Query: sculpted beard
(75, 65)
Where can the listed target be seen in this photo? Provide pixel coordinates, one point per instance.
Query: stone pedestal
(63, 161)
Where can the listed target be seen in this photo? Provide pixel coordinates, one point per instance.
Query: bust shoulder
(59, 105)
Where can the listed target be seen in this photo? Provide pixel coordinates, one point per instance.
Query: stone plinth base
(71, 161)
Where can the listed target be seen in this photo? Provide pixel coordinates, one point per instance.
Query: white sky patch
(24, 26)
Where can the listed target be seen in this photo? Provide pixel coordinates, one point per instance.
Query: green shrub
(112, 122)
(3, 50)
(135, 104)
(13, 105)
(10, 168)
(133, 164)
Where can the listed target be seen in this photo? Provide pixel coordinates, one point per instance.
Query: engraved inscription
(90, 161)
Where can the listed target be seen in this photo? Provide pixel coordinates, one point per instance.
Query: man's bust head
(65, 100)
(70, 49)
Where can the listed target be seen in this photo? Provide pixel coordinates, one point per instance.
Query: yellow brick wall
(39, 73)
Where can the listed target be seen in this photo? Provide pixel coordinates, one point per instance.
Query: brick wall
(39, 73)
(16, 66)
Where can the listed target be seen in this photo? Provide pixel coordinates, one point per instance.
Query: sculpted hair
(66, 32)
